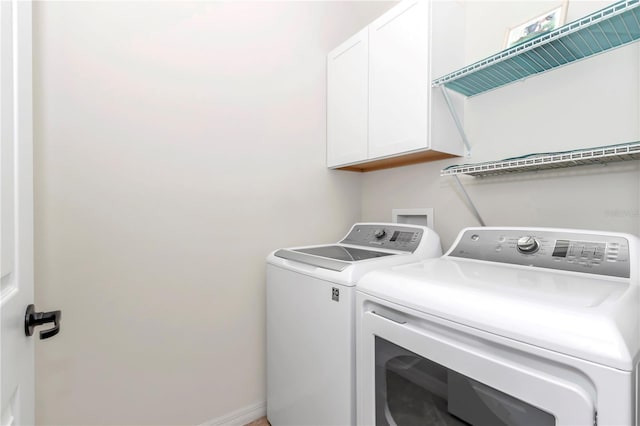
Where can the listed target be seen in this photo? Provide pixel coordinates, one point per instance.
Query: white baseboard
(240, 417)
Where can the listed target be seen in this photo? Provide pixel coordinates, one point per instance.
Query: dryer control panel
(388, 236)
(592, 253)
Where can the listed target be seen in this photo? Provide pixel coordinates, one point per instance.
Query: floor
(262, 421)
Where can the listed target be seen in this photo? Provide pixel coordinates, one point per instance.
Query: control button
(528, 245)
(475, 237)
(498, 248)
(379, 233)
(501, 239)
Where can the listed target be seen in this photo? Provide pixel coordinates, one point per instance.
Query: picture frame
(538, 25)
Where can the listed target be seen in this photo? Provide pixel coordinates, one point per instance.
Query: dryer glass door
(415, 371)
(412, 390)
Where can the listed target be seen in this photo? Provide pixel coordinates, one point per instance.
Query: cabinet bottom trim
(397, 161)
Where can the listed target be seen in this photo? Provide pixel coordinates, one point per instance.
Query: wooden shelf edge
(398, 161)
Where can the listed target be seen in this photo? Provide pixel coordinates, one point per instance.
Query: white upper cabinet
(382, 111)
(399, 81)
(347, 101)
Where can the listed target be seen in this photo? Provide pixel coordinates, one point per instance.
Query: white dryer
(311, 319)
(512, 326)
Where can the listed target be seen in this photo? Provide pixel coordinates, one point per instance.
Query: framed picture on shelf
(536, 26)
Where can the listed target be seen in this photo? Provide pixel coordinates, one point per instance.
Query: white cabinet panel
(381, 109)
(347, 101)
(399, 82)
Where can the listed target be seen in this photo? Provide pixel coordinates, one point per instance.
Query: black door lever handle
(33, 319)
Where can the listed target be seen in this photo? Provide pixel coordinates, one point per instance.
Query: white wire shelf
(551, 160)
(609, 28)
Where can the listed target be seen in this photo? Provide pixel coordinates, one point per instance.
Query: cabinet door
(399, 79)
(347, 101)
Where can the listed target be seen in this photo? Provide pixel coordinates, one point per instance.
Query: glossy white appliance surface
(310, 319)
(590, 317)
(556, 308)
(422, 243)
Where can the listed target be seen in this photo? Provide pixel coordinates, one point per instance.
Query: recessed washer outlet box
(422, 216)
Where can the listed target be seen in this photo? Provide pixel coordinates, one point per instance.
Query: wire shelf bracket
(456, 119)
(546, 161)
(472, 206)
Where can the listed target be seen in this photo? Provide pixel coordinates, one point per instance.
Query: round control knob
(528, 245)
(379, 233)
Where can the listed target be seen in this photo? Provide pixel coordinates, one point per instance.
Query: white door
(399, 83)
(16, 209)
(347, 101)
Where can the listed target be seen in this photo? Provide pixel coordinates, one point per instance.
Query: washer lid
(590, 317)
(333, 257)
(348, 254)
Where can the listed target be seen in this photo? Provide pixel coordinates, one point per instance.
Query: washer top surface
(537, 297)
(345, 253)
(366, 246)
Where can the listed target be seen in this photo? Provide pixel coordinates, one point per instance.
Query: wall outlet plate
(418, 216)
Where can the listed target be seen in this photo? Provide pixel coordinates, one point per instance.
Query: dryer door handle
(397, 318)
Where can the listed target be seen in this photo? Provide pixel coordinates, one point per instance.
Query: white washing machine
(311, 319)
(512, 326)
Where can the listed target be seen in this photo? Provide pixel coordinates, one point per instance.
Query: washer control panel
(388, 236)
(600, 254)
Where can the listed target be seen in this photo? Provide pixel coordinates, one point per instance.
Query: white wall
(588, 104)
(176, 144)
